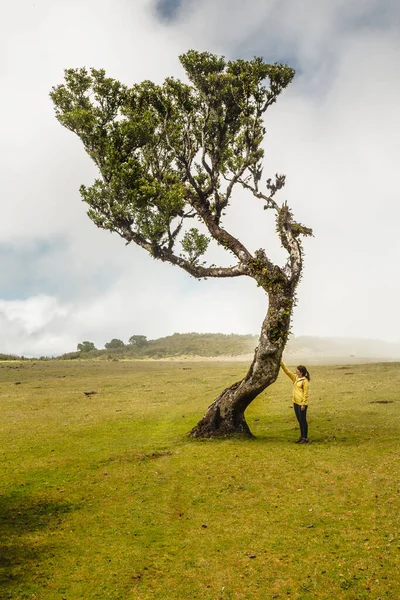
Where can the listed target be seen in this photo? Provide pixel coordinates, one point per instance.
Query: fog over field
(335, 132)
(312, 350)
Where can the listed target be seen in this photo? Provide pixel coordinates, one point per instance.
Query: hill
(179, 344)
(308, 349)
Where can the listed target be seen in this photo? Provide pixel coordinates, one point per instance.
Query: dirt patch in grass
(382, 402)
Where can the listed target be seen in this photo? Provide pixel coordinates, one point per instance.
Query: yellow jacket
(300, 387)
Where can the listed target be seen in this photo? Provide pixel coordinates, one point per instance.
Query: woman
(301, 382)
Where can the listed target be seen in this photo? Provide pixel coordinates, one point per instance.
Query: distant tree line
(7, 357)
(138, 341)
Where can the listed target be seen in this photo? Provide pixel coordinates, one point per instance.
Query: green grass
(105, 497)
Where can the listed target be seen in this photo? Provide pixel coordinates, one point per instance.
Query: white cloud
(26, 326)
(335, 133)
(33, 314)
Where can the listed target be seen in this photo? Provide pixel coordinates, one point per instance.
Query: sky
(335, 133)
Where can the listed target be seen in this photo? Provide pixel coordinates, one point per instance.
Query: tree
(115, 343)
(139, 341)
(86, 346)
(170, 153)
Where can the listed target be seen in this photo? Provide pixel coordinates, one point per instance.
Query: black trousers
(302, 419)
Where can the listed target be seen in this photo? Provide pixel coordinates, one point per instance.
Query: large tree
(169, 153)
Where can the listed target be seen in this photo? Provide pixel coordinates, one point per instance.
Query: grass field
(105, 497)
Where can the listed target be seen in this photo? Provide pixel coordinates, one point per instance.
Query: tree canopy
(114, 343)
(168, 153)
(86, 346)
(140, 341)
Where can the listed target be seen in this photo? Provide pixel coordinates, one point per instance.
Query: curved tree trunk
(225, 416)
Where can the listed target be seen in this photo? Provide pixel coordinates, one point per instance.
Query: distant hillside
(179, 344)
(203, 344)
(308, 349)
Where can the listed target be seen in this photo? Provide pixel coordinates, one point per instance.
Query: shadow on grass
(342, 438)
(21, 521)
(322, 439)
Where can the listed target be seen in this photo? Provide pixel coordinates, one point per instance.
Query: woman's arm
(288, 373)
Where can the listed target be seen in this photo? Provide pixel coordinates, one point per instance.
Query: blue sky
(335, 133)
(168, 9)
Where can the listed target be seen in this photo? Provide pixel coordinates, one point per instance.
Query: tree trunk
(225, 416)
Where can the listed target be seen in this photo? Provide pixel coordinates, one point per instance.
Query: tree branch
(204, 151)
(289, 232)
(166, 255)
(172, 235)
(288, 229)
(223, 238)
(247, 163)
(270, 202)
(199, 271)
(235, 179)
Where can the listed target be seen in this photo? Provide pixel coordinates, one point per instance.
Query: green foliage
(138, 341)
(86, 347)
(115, 343)
(121, 135)
(161, 150)
(75, 355)
(232, 96)
(11, 357)
(194, 245)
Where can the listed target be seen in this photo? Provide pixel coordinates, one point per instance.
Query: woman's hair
(304, 372)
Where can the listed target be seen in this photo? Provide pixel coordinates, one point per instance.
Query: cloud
(334, 132)
(30, 323)
(31, 315)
